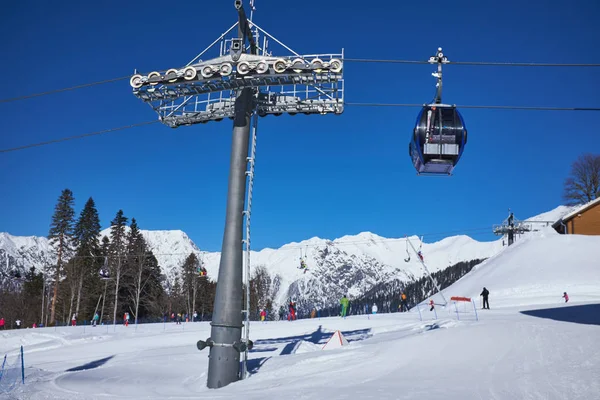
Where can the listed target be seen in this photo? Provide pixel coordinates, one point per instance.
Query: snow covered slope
(537, 270)
(507, 355)
(530, 344)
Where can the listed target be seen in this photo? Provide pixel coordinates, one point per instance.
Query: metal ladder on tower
(248, 213)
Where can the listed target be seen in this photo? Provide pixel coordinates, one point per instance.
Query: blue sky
(325, 176)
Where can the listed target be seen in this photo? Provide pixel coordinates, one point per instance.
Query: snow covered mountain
(347, 265)
(23, 252)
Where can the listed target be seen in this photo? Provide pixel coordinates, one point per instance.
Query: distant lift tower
(511, 226)
(243, 81)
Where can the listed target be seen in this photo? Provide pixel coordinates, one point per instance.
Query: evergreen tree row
(73, 286)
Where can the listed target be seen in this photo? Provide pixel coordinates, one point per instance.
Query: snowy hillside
(553, 215)
(537, 270)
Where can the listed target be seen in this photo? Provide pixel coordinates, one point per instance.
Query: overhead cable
(351, 60)
(531, 108)
(77, 136)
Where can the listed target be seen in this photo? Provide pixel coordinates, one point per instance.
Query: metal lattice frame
(206, 91)
(511, 224)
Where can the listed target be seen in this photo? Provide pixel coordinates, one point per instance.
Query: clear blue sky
(324, 176)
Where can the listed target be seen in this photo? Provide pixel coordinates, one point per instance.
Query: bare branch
(583, 184)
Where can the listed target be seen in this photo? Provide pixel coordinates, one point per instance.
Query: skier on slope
(485, 293)
(344, 302)
(566, 297)
(374, 308)
(281, 313)
(292, 311)
(403, 306)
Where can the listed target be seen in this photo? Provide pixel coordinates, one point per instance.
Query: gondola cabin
(438, 140)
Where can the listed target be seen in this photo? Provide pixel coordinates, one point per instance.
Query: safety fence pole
(419, 309)
(2, 370)
(22, 366)
(475, 308)
(456, 308)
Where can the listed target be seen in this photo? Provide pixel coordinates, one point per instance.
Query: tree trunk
(188, 301)
(117, 290)
(194, 289)
(56, 279)
(43, 294)
(103, 298)
(138, 291)
(79, 292)
(71, 304)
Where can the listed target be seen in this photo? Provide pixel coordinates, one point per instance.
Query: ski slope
(536, 270)
(530, 345)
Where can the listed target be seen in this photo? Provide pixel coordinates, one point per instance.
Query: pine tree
(117, 250)
(154, 299)
(190, 277)
(33, 289)
(138, 259)
(61, 235)
(176, 296)
(87, 232)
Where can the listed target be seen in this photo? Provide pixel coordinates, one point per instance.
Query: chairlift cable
(78, 136)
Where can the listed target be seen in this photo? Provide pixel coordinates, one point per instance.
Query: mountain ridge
(351, 264)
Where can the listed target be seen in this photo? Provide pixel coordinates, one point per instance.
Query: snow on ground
(530, 345)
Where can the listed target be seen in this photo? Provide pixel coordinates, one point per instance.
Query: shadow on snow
(90, 365)
(292, 342)
(588, 314)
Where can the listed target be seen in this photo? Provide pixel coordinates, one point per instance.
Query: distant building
(584, 220)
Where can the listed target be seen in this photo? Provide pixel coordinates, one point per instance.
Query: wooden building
(584, 220)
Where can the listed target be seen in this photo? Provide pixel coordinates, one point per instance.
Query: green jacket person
(344, 302)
